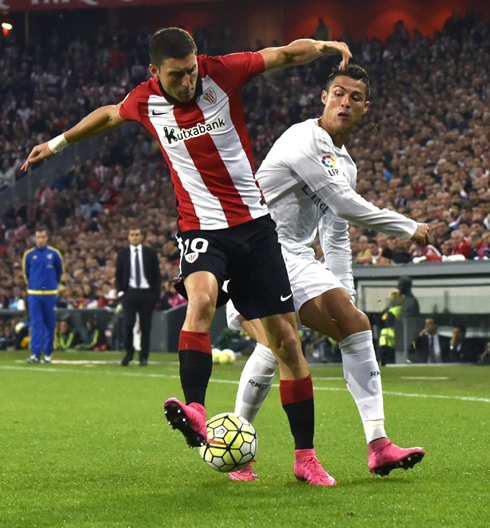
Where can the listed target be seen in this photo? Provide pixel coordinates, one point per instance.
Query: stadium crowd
(423, 149)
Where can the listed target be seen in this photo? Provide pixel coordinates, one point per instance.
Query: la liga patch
(328, 161)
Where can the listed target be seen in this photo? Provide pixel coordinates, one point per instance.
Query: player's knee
(362, 321)
(287, 347)
(201, 305)
(353, 321)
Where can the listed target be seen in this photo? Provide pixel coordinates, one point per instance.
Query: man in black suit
(463, 350)
(138, 284)
(430, 347)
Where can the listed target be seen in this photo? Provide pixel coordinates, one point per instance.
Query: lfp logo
(328, 161)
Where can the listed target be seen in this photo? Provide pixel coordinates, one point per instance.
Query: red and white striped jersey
(205, 142)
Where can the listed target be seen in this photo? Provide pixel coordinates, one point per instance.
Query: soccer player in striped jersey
(192, 106)
(308, 180)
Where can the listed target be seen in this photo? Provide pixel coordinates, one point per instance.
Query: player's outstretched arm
(302, 51)
(99, 121)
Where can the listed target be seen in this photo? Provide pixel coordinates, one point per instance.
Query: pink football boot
(383, 456)
(190, 420)
(246, 473)
(307, 468)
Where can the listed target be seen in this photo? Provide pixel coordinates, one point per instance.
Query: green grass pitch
(87, 445)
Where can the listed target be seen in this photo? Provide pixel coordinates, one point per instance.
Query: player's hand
(38, 153)
(333, 48)
(422, 234)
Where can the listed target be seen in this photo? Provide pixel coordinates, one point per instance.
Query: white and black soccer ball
(232, 443)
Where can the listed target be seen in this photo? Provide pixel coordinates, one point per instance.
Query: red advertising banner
(38, 5)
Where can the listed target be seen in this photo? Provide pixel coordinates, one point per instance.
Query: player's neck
(338, 137)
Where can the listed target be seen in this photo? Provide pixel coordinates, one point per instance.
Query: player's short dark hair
(354, 72)
(170, 43)
(40, 229)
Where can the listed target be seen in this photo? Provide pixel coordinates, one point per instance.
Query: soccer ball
(216, 352)
(232, 443)
(227, 356)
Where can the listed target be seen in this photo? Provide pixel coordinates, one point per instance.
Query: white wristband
(57, 144)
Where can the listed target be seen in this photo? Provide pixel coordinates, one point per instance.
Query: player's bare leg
(334, 314)
(195, 359)
(296, 390)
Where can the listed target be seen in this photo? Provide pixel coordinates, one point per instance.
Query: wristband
(57, 144)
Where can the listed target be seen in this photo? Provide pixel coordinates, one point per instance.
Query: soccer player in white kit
(192, 107)
(308, 180)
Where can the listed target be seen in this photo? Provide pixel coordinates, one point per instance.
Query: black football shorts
(249, 256)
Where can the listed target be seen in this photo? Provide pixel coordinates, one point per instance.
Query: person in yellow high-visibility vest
(387, 334)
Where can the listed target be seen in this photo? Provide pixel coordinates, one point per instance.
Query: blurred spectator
(163, 302)
(456, 216)
(485, 357)
(7, 338)
(175, 298)
(459, 244)
(430, 346)
(21, 334)
(410, 305)
(91, 337)
(108, 296)
(462, 349)
(478, 247)
(43, 195)
(391, 313)
(322, 32)
(17, 300)
(364, 255)
(66, 338)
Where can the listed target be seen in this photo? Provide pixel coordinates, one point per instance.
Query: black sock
(195, 371)
(301, 417)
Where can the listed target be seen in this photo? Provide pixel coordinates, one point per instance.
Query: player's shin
(297, 401)
(196, 363)
(255, 382)
(361, 373)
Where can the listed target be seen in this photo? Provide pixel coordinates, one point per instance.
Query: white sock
(255, 382)
(361, 373)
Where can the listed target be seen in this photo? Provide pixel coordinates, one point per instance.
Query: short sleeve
(237, 69)
(129, 109)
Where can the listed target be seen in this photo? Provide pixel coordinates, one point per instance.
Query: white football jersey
(307, 181)
(205, 142)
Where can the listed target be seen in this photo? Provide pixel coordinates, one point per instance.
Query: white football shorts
(313, 280)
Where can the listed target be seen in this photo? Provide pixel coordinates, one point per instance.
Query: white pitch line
(50, 368)
(432, 378)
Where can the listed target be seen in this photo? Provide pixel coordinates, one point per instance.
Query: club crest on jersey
(209, 96)
(175, 135)
(191, 257)
(50, 256)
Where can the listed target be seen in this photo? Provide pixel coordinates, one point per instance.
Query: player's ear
(324, 96)
(366, 107)
(153, 70)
